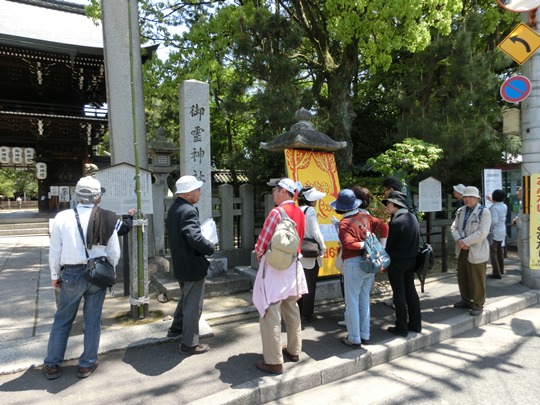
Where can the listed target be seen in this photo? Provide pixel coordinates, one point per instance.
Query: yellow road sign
(521, 43)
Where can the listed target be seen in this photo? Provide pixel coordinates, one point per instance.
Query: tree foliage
(15, 182)
(376, 72)
(406, 159)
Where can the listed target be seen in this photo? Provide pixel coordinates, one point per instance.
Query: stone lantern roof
(161, 144)
(303, 135)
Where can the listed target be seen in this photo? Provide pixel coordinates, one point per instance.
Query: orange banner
(534, 240)
(318, 169)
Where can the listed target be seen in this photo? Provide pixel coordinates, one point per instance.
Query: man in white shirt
(67, 262)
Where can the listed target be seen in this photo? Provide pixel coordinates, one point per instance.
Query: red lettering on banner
(332, 252)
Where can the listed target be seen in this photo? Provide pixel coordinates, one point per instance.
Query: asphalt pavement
(138, 363)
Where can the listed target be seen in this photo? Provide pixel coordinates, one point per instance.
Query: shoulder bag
(310, 247)
(98, 271)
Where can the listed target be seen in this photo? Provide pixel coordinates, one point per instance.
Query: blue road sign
(515, 89)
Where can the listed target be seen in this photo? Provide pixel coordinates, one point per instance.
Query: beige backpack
(283, 248)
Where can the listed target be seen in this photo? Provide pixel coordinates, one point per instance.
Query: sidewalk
(139, 357)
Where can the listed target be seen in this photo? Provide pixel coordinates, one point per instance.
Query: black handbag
(310, 248)
(98, 271)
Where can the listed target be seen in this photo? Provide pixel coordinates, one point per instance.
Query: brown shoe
(292, 357)
(51, 372)
(269, 368)
(86, 371)
(199, 349)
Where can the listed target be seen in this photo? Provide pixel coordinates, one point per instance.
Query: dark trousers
(401, 276)
(496, 256)
(188, 312)
(307, 302)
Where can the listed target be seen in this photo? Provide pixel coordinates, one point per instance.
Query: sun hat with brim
(284, 183)
(88, 186)
(313, 194)
(459, 188)
(346, 201)
(471, 191)
(397, 199)
(185, 184)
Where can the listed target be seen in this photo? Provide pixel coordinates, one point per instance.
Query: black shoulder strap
(81, 231)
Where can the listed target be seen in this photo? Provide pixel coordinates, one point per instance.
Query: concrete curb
(313, 374)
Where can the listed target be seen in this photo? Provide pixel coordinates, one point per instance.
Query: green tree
(15, 182)
(406, 159)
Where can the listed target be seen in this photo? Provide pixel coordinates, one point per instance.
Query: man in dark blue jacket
(188, 250)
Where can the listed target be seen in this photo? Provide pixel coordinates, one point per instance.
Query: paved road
(498, 363)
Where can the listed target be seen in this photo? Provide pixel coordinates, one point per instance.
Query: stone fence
(235, 221)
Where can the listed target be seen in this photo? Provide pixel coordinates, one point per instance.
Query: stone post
(125, 104)
(195, 140)
(247, 219)
(226, 220)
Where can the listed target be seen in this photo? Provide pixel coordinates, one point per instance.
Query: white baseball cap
(88, 186)
(284, 183)
(185, 184)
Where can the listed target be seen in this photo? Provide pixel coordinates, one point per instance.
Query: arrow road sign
(516, 89)
(521, 43)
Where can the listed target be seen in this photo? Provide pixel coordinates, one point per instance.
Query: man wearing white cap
(67, 262)
(470, 230)
(276, 291)
(188, 250)
(458, 195)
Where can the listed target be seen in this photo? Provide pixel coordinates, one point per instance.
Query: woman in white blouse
(307, 200)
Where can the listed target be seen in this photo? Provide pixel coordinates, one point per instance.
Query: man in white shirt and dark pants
(67, 261)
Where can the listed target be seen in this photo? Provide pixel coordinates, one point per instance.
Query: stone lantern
(160, 151)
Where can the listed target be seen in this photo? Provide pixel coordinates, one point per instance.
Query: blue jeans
(357, 292)
(73, 288)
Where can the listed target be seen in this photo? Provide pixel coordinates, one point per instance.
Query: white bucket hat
(459, 188)
(471, 191)
(88, 186)
(185, 184)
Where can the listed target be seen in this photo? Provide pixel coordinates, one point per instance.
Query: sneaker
(475, 312)
(199, 349)
(342, 323)
(460, 304)
(347, 342)
(51, 372)
(86, 371)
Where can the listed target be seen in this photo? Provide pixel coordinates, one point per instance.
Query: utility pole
(530, 150)
(522, 45)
